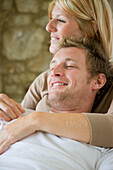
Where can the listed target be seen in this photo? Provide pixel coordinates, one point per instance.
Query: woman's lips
(54, 38)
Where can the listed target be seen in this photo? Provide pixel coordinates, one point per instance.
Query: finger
(5, 107)
(7, 110)
(15, 107)
(18, 105)
(4, 116)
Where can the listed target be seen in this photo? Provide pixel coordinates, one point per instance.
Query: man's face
(68, 80)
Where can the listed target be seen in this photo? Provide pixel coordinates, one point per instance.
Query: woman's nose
(51, 26)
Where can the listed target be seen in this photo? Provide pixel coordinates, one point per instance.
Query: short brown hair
(97, 59)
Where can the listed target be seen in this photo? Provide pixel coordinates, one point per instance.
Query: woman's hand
(9, 109)
(17, 130)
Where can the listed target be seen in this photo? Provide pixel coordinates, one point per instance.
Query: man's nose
(57, 71)
(51, 26)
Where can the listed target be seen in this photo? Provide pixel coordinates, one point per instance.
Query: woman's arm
(95, 129)
(73, 126)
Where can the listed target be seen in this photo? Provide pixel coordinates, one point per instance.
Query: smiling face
(61, 24)
(69, 87)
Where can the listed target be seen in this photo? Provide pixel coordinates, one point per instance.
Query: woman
(91, 18)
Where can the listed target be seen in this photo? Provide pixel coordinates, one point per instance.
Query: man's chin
(56, 97)
(56, 93)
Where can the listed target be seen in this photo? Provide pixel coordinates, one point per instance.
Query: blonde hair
(94, 18)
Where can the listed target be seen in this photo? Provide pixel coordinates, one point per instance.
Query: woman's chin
(53, 48)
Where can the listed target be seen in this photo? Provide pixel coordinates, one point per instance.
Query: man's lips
(58, 84)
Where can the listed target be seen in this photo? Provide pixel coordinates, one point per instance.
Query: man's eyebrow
(71, 59)
(67, 59)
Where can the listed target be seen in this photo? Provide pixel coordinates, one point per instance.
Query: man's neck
(77, 110)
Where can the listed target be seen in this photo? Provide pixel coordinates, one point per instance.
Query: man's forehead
(69, 53)
(64, 59)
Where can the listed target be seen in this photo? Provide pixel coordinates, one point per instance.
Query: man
(78, 71)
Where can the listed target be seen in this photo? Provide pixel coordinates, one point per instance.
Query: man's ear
(99, 81)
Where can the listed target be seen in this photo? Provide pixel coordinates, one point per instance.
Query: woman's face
(61, 24)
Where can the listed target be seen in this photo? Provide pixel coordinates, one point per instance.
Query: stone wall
(23, 44)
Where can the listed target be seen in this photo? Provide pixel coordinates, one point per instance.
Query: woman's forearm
(71, 125)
